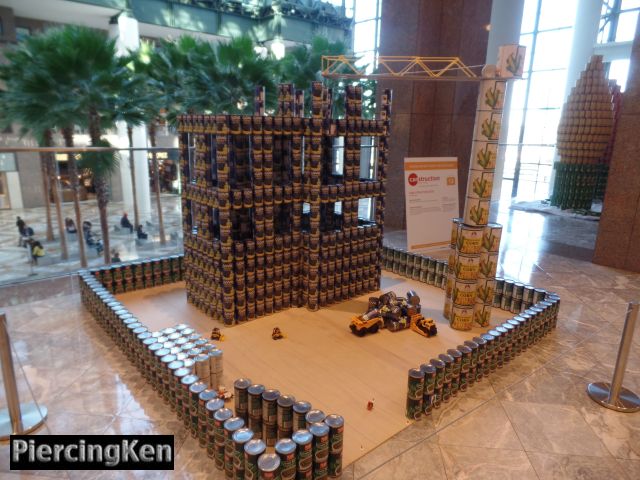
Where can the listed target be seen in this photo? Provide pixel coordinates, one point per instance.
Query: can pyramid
(584, 132)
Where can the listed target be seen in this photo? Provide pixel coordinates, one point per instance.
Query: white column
(506, 18)
(14, 190)
(585, 34)
(127, 36)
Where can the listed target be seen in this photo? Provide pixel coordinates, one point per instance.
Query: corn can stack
(585, 135)
(474, 242)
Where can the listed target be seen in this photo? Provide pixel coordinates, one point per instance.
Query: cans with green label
(304, 439)
(240, 438)
(286, 450)
(269, 466)
(252, 451)
(320, 432)
(300, 410)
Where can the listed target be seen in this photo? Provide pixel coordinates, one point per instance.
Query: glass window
(541, 126)
(626, 26)
(364, 36)
(515, 123)
(628, 4)
(366, 59)
(527, 41)
(510, 157)
(366, 10)
(8, 162)
(553, 49)
(529, 16)
(619, 70)
(557, 14)
(547, 89)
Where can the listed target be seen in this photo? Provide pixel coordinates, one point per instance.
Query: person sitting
(125, 223)
(37, 250)
(141, 234)
(93, 242)
(115, 256)
(70, 226)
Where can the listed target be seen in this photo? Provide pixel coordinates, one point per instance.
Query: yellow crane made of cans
(450, 69)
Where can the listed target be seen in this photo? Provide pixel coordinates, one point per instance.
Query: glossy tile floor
(532, 419)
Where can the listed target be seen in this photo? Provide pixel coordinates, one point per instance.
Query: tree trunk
(67, 133)
(55, 191)
(44, 169)
(102, 194)
(156, 180)
(132, 165)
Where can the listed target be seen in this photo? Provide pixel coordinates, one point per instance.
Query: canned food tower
(475, 242)
(585, 132)
(270, 205)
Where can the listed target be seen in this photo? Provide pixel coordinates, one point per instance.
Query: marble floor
(533, 419)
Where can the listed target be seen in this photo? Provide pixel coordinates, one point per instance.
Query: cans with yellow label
(469, 239)
(466, 267)
(464, 293)
(461, 317)
(482, 314)
(491, 237)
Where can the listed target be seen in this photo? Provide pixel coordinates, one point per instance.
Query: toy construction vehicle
(277, 334)
(370, 322)
(424, 326)
(217, 335)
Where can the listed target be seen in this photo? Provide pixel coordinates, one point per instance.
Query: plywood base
(321, 361)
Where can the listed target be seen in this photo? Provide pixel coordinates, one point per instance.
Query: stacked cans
(415, 266)
(474, 242)
(458, 369)
(251, 249)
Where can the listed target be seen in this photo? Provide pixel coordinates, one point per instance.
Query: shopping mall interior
(379, 239)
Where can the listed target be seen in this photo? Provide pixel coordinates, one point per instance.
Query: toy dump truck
(370, 322)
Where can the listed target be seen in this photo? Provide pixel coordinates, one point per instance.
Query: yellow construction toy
(363, 324)
(277, 334)
(217, 335)
(424, 326)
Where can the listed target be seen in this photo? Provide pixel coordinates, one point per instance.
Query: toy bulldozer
(361, 325)
(424, 326)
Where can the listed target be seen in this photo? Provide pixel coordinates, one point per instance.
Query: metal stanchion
(16, 419)
(614, 395)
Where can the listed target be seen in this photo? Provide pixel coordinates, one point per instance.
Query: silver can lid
(234, 423)
(255, 447)
(268, 462)
(242, 383)
(207, 395)
(182, 372)
(214, 404)
(242, 435)
(189, 380)
(223, 414)
(416, 373)
(150, 341)
(301, 406)
(270, 395)
(168, 359)
(161, 352)
(197, 387)
(168, 331)
(315, 416)
(319, 429)
(286, 401)
(285, 446)
(302, 437)
(175, 365)
(255, 389)
(334, 421)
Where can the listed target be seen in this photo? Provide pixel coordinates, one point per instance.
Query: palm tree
(88, 77)
(23, 102)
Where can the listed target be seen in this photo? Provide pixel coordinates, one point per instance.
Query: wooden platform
(321, 361)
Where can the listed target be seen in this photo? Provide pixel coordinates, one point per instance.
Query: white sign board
(431, 199)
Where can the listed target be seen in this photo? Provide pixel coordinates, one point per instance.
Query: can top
(169, 345)
(454, 353)
(268, 462)
(242, 435)
(189, 362)
(194, 352)
(187, 331)
(189, 380)
(302, 437)
(187, 346)
(255, 447)
(286, 401)
(203, 357)
(168, 358)
(222, 414)
(513, 322)
(156, 346)
(180, 327)
(437, 363)
(416, 373)
(168, 330)
(494, 225)
(242, 383)
(471, 344)
(319, 429)
(193, 336)
(142, 336)
(334, 421)
(160, 352)
(518, 285)
(197, 387)
(182, 372)
(427, 368)
(492, 333)
(234, 423)
(215, 353)
(502, 330)
(314, 416)
(481, 340)
(540, 290)
(446, 358)
(464, 349)
(301, 406)
(207, 395)
(175, 365)
(181, 356)
(508, 326)
(181, 341)
(162, 338)
(201, 342)
(133, 325)
(255, 389)
(215, 404)
(174, 336)
(270, 395)
(285, 446)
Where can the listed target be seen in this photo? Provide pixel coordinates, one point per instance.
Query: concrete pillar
(506, 18)
(126, 33)
(619, 231)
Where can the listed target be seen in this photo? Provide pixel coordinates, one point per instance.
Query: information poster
(431, 196)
